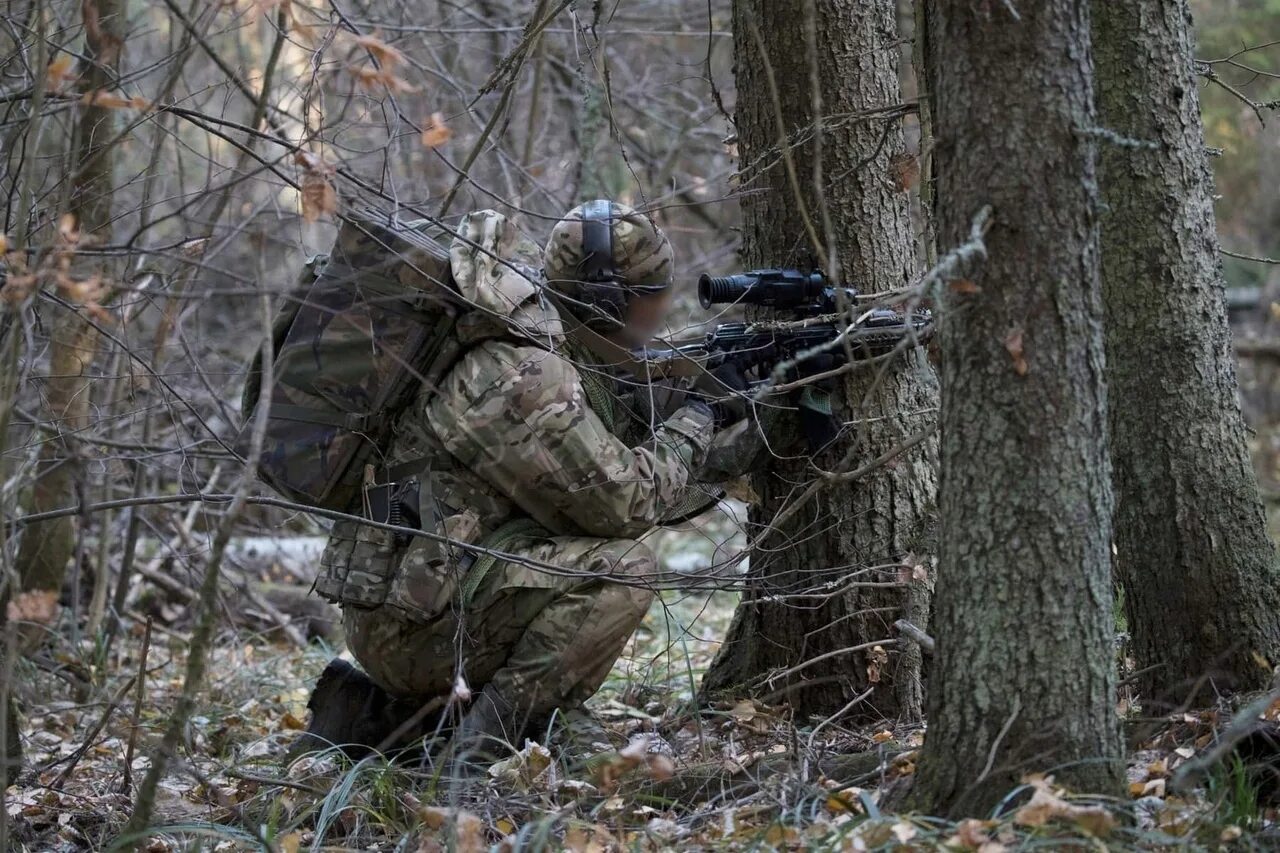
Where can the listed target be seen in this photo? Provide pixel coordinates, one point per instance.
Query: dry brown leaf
(971, 834)
(369, 78)
(876, 662)
(470, 831)
(319, 198)
(436, 133)
(1046, 805)
(107, 100)
(60, 72)
(386, 55)
(904, 169)
(434, 817)
(17, 289)
(882, 736)
(39, 606)
(660, 767)
(67, 231)
(1014, 344)
(963, 286)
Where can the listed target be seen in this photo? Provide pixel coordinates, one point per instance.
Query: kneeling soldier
(534, 448)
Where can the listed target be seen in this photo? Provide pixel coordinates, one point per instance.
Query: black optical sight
(806, 292)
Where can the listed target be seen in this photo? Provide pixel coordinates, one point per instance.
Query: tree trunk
(47, 546)
(1201, 589)
(1023, 679)
(871, 529)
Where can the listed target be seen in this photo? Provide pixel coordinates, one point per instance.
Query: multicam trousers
(543, 640)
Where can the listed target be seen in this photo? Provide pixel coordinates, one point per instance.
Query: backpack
(364, 328)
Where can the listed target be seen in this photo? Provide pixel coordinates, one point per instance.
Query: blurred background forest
(165, 166)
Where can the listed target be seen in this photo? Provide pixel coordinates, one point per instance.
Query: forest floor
(740, 776)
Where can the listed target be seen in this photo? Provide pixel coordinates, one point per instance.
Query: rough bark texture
(882, 519)
(1023, 679)
(1198, 570)
(46, 547)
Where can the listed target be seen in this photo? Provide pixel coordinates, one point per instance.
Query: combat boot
(490, 727)
(582, 740)
(351, 712)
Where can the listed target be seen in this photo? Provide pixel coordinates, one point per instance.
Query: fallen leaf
(882, 736)
(433, 817)
(470, 830)
(526, 770)
(1045, 805)
(1013, 343)
(38, 606)
(971, 834)
(436, 133)
(963, 286)
(660, 767)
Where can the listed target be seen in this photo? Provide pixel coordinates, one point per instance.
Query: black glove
(724, 389)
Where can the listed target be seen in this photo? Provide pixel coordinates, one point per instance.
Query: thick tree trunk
(868, 530)
(47, 546)
(1024, 676)
(1201, 589)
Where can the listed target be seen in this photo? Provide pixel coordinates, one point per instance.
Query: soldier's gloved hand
(724, 389)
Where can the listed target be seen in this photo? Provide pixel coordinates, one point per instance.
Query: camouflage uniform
(536, 456)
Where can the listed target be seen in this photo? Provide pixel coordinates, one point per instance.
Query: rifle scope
(771, 288)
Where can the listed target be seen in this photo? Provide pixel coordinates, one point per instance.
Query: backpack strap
(499, 540)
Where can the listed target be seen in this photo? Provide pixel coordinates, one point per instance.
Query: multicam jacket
(523, 427)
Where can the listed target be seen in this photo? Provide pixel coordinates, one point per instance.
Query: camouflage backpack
(366, 326)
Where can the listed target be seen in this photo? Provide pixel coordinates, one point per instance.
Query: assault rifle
(824, 328)
(812, 332)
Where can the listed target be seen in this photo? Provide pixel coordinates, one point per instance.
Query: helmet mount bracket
(604, 288)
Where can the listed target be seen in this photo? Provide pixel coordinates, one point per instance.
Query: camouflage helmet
(600, 254)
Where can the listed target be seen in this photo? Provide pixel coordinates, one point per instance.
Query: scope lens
(705, 288)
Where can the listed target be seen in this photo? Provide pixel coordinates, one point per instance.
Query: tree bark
(47, 547)
(1201, 589)
(847, 201)
(1023, 676)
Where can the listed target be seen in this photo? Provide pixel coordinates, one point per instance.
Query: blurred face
(646, 313)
